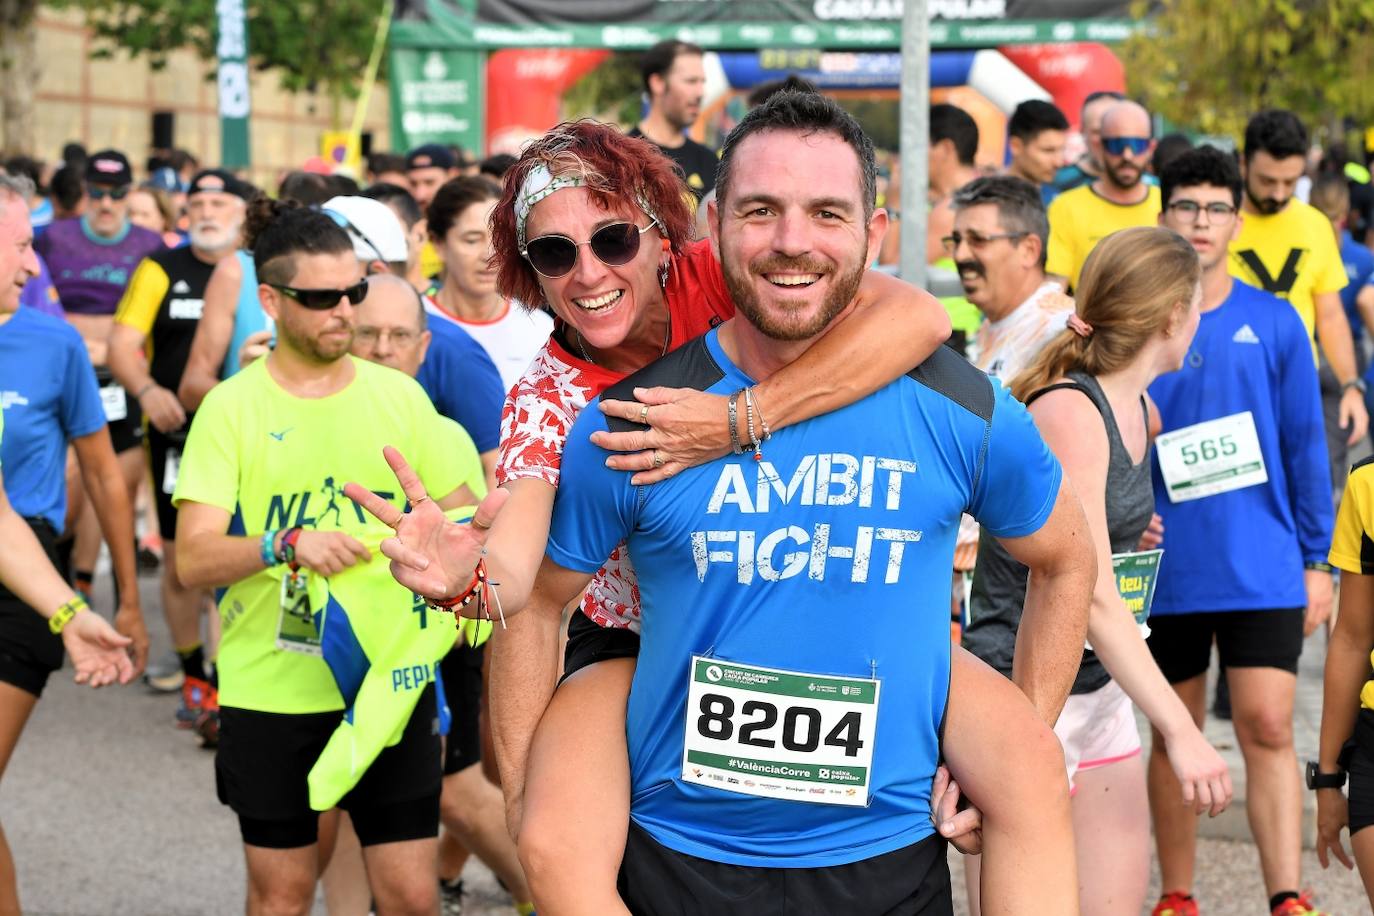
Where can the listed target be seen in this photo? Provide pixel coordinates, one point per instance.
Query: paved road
(110, 811)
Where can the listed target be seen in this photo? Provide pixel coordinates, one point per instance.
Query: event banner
(436, 97)
(750, 24)
(231, 47)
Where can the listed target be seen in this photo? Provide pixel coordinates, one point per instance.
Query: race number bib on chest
(115, 402)
(296, 631)
(779, 734)
(1212, 457)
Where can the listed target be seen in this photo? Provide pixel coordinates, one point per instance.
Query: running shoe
(1175, 903)
(451, 897)
(194, 693)
(207, 723)
(1301, 905)
(165, 674)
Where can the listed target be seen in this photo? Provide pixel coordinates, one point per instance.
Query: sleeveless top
(249, 318)
(999, 581)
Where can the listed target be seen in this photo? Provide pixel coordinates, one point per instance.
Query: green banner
(1136, 576)
(436, 96)
(236, 151)
(749, 24)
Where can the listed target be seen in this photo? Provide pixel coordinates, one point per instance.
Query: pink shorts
(1097, 729)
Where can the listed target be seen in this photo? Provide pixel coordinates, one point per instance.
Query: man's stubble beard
(844, 286)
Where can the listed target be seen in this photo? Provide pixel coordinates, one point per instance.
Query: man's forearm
(1347, 666)
(25, 569)
(1050, 640)
(524, 673)
(217, 560)
(105, 484)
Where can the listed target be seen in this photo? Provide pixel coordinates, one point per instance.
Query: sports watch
(1356, 382)
(1316, 779)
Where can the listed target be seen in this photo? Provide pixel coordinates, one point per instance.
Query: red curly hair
(617, 170)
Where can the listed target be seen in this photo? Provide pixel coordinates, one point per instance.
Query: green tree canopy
(312, 44)
(1212, 63)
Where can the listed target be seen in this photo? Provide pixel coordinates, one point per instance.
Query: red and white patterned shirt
(541, 407)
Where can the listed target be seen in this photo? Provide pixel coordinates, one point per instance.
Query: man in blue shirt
(765, 731)
(1242, 485)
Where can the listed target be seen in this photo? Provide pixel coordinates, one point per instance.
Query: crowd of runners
(606, 513)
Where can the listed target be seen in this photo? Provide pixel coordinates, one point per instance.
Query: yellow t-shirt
(1081, 218)
(1292, 254)
(272, 461)
(431, 265)
(1352, 543)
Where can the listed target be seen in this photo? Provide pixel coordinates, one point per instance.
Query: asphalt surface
(110, 811)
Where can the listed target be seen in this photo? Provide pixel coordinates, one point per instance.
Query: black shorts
(126, 432)
(589, 643)
(656, 880)
(461, 671)
(159, 447)
(1182, 643)
(29, 651)
(264, 760)
(1360, 765)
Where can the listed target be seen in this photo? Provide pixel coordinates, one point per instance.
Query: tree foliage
(1212, 63)
(610, 92)
(311, 44)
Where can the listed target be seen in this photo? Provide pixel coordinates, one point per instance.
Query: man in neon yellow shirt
(1118, 199)
(1286, 247)
(306, 609)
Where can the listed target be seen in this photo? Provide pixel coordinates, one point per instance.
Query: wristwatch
(1316, 779)
(1356, 382)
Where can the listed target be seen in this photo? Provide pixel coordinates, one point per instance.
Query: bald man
(1118, 199)
(391, 330)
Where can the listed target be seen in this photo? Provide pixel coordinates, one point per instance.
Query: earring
(663, 273)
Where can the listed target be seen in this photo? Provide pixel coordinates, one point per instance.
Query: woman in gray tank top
(1137, 311)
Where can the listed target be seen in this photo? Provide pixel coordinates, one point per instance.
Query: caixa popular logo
(324, 507)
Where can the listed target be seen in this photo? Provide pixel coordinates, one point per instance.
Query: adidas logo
(1245, 335)
(181, 286)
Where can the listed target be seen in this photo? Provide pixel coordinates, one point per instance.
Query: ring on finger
(658, 458)
(416, 502)
(477, 524)
(644, 415)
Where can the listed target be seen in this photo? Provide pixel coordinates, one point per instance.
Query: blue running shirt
(831, 556)
(1244, 550)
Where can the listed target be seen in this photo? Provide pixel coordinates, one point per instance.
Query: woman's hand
(1205, 778)
(1333, 816)
(99, 654)
(430, 555)
(963, 829)
(686, 428)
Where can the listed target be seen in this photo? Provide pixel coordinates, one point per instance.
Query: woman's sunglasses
(614, 245)
(322, 299)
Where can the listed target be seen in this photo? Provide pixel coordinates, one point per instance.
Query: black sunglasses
(614, 245)
(322, 299)
(95, 192)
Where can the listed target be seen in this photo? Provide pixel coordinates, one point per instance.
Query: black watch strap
(1319, 780)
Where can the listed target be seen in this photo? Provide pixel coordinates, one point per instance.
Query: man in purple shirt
(91, 258)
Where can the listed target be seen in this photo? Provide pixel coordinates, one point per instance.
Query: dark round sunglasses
(95, 192)
(322, 299)
(614, 245)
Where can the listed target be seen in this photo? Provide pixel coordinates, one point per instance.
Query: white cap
(376, 231)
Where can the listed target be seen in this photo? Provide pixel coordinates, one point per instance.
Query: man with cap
(149, 344)
(91, 258)
(427, 168)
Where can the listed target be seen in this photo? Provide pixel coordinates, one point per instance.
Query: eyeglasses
(1117, 146)
(95, 192)
(1216, 211)
(977, 240)
(322, 299)
(343, 223)
(614, 245)
(399, 337)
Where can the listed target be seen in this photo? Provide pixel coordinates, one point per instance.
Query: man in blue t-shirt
(767, 727)
(1243, 488)
(50, 400)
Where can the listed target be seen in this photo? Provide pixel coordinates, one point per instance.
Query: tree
(312, 44)
(1212, 64)
(18, 73)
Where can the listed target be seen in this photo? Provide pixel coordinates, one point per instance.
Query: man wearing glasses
(1119, 199)
(91, 259)
(310, 625)
(1241, 463)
